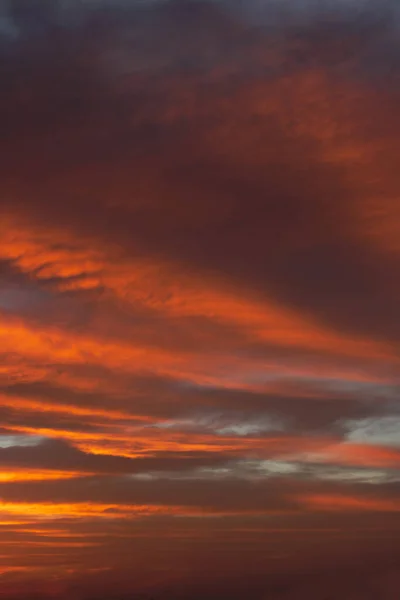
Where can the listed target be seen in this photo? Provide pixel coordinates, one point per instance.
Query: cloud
(382, 430)
(199, 241)
(59, 455)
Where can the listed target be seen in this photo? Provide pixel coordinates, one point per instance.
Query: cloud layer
(199, 333)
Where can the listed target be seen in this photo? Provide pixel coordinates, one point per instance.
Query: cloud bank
(199, 334)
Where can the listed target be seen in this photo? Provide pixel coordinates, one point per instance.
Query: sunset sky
(199, 299)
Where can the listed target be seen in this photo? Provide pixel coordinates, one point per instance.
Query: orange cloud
(165, 288)
(363, 455)
(49, 510)
(221, 241)
(37, 475)
(67, 409)
(351, 454)
(339, 503)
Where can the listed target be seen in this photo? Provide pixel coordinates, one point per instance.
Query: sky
(199, 292)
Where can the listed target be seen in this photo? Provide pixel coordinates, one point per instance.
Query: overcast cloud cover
(199, 292)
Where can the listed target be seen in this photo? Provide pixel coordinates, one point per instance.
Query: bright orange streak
(37, 475)
(47, 510)
(60, 345)
(13, 523)
(57, 510)
(53, 407)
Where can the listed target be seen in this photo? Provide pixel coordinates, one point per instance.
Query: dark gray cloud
(60, 456)
(227, 495)
(170, 403)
